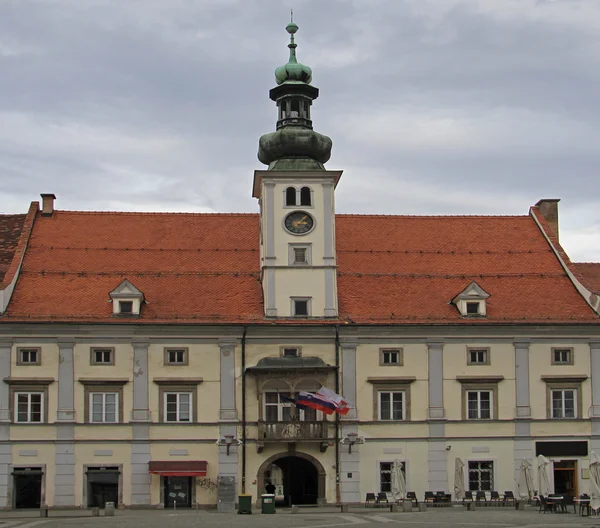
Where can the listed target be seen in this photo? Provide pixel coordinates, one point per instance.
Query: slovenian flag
(314, 401)
(341, 404)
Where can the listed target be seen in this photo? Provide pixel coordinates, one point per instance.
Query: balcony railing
(295, 431)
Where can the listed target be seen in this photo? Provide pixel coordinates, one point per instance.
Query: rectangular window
(176, 356)
(290, 352)
(126, 307)
(29, 356)
(390, 356)
(102, 356)
(563, 403)
(299, 254)
(178, 406)
(29, 407)
(478, 356)
(472, 308)
(481, 475)
(479, 405)
(277, 407)
(391, 405)
(104, 407)
(385, 475)
(301, 307)
(562, 356)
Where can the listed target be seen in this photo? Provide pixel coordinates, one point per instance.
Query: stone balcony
(296, 431)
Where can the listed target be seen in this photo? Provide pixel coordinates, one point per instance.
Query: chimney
(48, 204)
(549, 209)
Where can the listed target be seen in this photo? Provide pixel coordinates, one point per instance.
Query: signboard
(172, 495)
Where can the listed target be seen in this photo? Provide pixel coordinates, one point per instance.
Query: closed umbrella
(525, 484)
(459, 479)
(398, 481)
(594, 480)
(543, 479)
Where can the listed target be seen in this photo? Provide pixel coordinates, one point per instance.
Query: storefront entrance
(103, 486)
(565, 477)
(178, 492)
(300, 479)
(27, 488)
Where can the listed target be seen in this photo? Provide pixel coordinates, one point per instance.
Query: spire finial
(291, 28)
(292, 16)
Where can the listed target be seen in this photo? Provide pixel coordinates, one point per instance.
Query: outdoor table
(556, 500)
(584, 506)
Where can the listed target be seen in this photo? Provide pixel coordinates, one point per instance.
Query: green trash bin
(245, 503)
(268, 503)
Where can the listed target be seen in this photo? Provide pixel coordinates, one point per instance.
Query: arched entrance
(302, 477)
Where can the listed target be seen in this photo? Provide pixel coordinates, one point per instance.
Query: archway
(303, 478)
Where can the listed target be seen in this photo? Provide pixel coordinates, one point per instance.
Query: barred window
(481, 475)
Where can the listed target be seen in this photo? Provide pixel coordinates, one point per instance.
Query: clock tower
(296, 197)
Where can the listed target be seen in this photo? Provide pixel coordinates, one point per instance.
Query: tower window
(300, 307)
(305, 196)
(283, 110)
(290, 196)
(306, 110)
(295, 108)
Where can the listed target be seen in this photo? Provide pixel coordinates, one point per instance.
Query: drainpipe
(337, 416)
(244, 410)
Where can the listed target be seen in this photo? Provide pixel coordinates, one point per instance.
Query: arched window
(305, 196)
(290, 196)
(295, 108)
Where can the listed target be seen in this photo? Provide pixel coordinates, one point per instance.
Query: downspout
(244, 411)
(337, 416)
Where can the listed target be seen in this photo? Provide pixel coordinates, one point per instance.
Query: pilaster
(5, 447)
(269, 252)
(329, 260)
(522, 379)
(437, 456)
(66, 382)
(349, 457)
(436, 380)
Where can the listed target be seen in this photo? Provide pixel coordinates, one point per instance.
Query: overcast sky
(434, 106)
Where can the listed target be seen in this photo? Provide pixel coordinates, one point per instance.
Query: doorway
(565, 477)
(300, 479)
(102, 487)
(178, 492)
(27, 488)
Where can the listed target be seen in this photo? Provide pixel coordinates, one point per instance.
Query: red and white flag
(342, 406)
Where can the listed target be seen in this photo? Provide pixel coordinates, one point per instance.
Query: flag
(292, 400)
(314, 401)
(341, 404)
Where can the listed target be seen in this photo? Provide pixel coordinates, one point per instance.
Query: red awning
(180, 468)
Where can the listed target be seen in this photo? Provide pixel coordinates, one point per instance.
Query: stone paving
(456, 517)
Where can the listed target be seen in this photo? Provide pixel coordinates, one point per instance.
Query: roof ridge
(428, 216)
(150, 213)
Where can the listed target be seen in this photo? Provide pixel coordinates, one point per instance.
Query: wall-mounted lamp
(448, 447)
(351, 439)
(228, 440)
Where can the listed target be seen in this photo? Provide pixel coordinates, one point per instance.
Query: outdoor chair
(545, 506)
(569, 500)
(412, 497)
(429, 497)
(509, 496)
(382, 498)
(494, 496)
(584, 506)
(481, 498)
(371, 499)
(468, 496)
(557, 501)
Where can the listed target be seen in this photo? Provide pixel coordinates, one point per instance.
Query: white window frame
(175, 350)
(178, 405)
(29, 404)
(477, 351)
(28, 350)
(493, 481)
(399, 356)
(570, 356)
(104, 404)
(280, 405)
(380, 407)
(575, 403)
(479, 409)
(391, 462)
(103, 350)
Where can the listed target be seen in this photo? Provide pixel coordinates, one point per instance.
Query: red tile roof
(204, 268)
(589, 274)
(14, 234)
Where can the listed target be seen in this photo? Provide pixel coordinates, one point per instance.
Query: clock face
(299, 222)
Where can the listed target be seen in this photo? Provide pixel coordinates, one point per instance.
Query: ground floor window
(27, 488)
(178, 492)
(385, 475)
(481, 475)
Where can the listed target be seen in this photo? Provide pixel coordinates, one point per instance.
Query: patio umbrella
(594, 480)
(398, 481)
(459, 479)
(525, 484)
(543, 479)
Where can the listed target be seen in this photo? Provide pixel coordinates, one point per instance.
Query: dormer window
(127, 299)
(471, 302)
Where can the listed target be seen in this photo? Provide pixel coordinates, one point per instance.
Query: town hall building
(153, 359)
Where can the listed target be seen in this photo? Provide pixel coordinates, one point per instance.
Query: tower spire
(295, 145)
